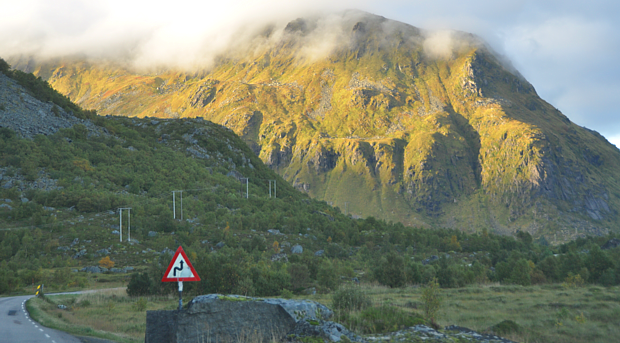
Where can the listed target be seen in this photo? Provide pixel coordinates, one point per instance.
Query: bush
(326, 276)
(506, 327)
(140, 304)
(350, 299)
(140, 284)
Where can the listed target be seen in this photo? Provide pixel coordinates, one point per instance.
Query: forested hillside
(60, 194)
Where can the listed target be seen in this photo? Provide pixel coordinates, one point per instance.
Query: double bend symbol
(174, 271)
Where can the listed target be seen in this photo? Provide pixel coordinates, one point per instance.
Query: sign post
(180, 269)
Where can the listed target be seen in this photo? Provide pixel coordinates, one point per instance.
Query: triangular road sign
(180, 268)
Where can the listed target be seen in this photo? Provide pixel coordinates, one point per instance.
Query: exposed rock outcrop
(219, 318)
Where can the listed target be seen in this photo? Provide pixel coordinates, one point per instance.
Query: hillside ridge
(386, 122)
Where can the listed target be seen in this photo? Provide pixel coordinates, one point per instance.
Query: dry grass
(548, 314)
(108, 314)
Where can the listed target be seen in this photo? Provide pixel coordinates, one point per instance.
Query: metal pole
(247, 189)
(180, 295)
(270, 188)
(181, 205)
(120, 222)
(129, 226)
(174, 206)
(275, 189)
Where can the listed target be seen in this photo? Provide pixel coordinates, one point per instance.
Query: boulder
(79, 254)
(232, 318)
(219, 320)
(297, 249)
(152, 234)
(92, 269)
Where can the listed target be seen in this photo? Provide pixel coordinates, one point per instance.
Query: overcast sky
(569, 50)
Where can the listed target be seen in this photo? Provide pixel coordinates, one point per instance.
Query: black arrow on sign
(174, 271)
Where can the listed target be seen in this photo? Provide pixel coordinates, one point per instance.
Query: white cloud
(567, 49)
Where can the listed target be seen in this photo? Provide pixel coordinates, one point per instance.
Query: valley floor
(549, 313)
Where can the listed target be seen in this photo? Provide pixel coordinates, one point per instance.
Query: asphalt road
(16, 326)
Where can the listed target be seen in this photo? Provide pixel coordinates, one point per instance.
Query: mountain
(381, 119)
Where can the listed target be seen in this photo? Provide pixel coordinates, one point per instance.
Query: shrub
(506, 327)
(573, 281)
(286, 294)
(106, 262)
(350, 298)
(140, 304)
(140, 284)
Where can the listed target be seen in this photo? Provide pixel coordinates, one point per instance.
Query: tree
(4, 67)
(598, 262)
(431, 297)
(106, 262)
(390, 270)
(521, 273)
(299, 276)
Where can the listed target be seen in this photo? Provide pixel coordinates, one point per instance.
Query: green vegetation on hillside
(235, 238)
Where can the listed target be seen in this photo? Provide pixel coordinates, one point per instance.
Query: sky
(569, 50)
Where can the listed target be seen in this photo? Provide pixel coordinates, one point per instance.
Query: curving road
(16, 326)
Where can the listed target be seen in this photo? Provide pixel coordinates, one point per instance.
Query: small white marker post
(180, 295)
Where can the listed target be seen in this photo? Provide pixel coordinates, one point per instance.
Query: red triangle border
(189, 264)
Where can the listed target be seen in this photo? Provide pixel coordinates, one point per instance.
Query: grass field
(551, 313)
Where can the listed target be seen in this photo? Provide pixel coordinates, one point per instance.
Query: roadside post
(180, 269)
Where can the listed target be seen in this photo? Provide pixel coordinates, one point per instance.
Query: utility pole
(346, 203)
(274, 188)
(120, 222)
(174, 207)
(247, 189)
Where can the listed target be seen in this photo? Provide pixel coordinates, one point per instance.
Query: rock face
(219, 321)
(29, 117)
(219, 318)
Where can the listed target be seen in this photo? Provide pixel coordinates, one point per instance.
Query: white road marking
(41, 330)
(35, 325)
(46, 335)
(53, 341)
